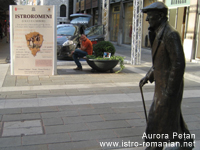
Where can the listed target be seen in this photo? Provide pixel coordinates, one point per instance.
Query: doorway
(114, 28)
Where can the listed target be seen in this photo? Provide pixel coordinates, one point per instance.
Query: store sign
(177, 3)
(33, 40)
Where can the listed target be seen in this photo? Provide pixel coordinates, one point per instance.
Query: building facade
(184, 16)
(92, 7)
(64, 7)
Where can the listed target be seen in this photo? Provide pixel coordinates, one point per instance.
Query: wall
(180, 26)
(190, 40)
(145, 24)
(172, 17)
(58, 3)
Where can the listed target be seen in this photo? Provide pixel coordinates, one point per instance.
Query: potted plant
(99, 63)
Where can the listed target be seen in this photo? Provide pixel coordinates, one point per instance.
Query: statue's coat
(167, 72)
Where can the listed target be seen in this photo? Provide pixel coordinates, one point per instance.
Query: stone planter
(102, 65)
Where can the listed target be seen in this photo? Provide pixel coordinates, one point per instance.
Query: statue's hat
(159, 6)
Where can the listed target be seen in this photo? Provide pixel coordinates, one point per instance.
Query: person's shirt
(88, 45)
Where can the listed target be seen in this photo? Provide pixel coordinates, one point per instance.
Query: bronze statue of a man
(165, 119)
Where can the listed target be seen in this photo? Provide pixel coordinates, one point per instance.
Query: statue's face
(153, 18)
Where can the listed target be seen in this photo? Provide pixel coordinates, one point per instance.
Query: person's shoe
(78, 68)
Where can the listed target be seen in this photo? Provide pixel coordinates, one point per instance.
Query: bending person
(86, 48)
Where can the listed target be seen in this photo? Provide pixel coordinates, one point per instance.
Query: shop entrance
(127, 36)
(114, 28)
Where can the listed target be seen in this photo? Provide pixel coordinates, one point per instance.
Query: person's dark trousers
(78, 54)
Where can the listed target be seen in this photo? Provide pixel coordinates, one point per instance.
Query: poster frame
(12, 54)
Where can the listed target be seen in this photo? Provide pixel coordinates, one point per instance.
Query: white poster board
(33, 40)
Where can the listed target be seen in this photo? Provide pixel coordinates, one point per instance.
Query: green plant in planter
(106, 46)
(103, 46)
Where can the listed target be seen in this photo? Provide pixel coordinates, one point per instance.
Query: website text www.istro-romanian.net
(129, 144)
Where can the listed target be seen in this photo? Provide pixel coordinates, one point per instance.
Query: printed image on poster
(34, 42)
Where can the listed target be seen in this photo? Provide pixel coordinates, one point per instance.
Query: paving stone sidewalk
(80, 127)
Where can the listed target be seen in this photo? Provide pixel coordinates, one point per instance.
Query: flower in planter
(106, 46)
(103, 46)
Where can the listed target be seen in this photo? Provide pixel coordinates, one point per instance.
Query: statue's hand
(143, 81)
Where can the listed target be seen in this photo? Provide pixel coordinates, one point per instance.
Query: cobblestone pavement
(79, 110)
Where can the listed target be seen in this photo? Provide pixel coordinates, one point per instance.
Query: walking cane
(145, 112)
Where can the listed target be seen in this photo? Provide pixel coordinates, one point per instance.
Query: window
(94, 30)
(62, 11)
(66, 30)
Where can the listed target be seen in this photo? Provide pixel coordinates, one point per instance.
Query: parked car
(82, 19)
(68, 34)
